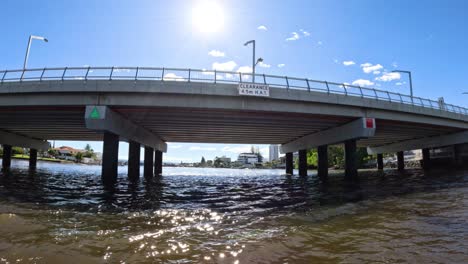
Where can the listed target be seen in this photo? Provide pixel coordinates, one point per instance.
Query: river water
(63, 214)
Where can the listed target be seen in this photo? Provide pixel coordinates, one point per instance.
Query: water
(62, 213)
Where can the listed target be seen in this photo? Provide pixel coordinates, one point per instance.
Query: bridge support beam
(32, 158)
(380, 164)
(102, 118)
(400, 160)
(134, 160)
(359, 128)
(110, 158)
(421, 143)
(6, 159)
(22, 141)
(426, 159)
(322, 170)
(158, 155)
(289, 163)
(148, 163)
(303, 162)
(350, 159)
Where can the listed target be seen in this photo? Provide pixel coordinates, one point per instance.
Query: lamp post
(31, 37)
(254, 63)
(410, 81)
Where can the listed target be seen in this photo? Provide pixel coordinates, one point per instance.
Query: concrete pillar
(380, 164)
(133, 160)
(400, 160)
(322, 169)
(148, 163)
(457, 154)
(289, 163)
(6, 159)
(350, 159)
(426, 158)
(303, 162)
(110, 157)
(158, 155)
(32, 158)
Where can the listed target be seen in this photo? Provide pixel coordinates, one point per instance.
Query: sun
(208, 16)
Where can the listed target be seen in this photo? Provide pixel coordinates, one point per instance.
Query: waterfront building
(274, 152)
(247, 158)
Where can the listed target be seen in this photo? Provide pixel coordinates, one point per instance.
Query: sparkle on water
(63, 212)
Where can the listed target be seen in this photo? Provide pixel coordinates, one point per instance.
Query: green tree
(79, 156)
(17, 151)
(203, 162)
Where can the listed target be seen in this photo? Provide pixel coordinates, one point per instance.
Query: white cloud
(175, 146)
(225, 66)
(262, 27)
(264, 65)
(395, 65)
(348, 63)
(320, 43)
(294, 36)
(216, 53)
(376, 72)
(369, 67)
(281, 65)
(245, 69)
(362, 82)
(236, 150)
(305, 33)
(193, 148)
(172, 77)
(399, 83)
(389, 76)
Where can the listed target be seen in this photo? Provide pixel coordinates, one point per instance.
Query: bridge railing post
(240, 77)
(64, 72)
(189, 74)
(308, 85)
(389, 98)
(110, 75)
(136, 73)
(162, 74)
(264, 79)
(215, 76)
(328, 87)
(360, 90)
(87, 72)
(287, 81)
(344, 89)
(22, 74)
(4, 74)
(42, 74)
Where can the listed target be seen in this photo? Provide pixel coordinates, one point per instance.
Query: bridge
(148, 107)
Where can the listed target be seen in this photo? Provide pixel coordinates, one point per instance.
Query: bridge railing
(214, 76)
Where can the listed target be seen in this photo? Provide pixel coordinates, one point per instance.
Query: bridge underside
(173, 124)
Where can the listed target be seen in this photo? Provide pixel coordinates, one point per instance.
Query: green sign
(95, 114)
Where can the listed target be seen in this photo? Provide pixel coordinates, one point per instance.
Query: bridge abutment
(350, 159)
(133, 160)
(380, 163)
(400, 160)
(6, 159)
(303, 162)
(110, 158)
(148, 163)
(457, 155)
(289, 163)
(158, 156)
(32, 158)
(322, 170)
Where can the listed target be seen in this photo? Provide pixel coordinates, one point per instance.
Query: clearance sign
(254, 89)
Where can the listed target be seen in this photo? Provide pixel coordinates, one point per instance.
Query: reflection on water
(63, 213)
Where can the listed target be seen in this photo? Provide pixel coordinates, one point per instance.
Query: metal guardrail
(214, 76)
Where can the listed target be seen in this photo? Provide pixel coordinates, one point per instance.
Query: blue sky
(343, 41)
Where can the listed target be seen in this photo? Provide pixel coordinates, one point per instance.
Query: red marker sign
(369, 123)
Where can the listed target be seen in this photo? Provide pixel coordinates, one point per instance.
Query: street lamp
(410, 81)
(31, 37)
(254, 63)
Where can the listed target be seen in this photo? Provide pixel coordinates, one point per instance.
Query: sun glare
(207, 16)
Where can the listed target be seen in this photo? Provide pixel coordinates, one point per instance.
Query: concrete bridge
(151, 106)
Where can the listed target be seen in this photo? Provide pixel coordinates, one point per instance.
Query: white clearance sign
(254, 89)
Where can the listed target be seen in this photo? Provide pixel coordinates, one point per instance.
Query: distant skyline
(355, 42)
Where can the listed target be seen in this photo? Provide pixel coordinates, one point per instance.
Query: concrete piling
(110, 158)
